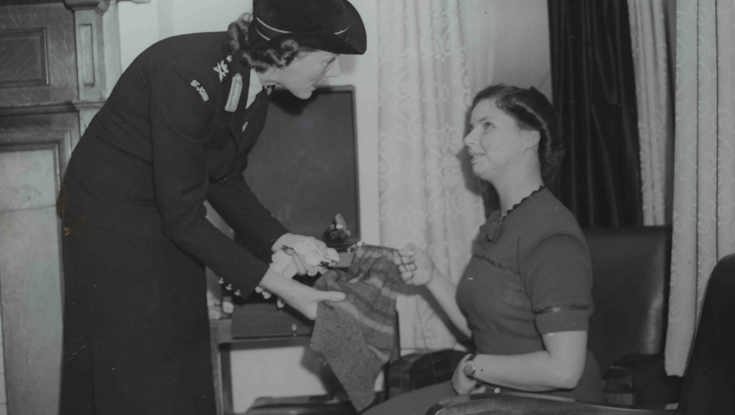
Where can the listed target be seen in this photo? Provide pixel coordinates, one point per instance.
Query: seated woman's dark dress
(530, 274)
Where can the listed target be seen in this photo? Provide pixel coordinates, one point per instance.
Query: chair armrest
(416, 370)
(644, 379)
(515, 403)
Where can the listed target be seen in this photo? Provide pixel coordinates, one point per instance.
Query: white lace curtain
(704, 168)
(423, 95)
(652, 47)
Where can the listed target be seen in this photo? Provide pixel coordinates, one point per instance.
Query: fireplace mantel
(59, 60)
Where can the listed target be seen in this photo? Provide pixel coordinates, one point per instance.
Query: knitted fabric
(356, 337)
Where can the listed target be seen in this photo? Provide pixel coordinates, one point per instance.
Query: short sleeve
(558, 278)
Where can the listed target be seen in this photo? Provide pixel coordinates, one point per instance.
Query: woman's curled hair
(532, 111)
(261, 57)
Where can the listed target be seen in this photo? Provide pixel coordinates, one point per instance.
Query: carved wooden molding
(37, 55)
(30, 42)
(59, 140)
(90, 53)
(76, 5)
(100, 5)
(37, 109)
(97, 46)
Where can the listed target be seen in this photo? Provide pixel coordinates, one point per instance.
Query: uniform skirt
(136, 329)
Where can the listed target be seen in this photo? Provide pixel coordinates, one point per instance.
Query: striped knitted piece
(356, 337)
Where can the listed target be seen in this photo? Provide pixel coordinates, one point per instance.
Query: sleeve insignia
(222, 69)
(200, 89)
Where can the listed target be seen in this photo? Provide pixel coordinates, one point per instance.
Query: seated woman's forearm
(535, 372)
(559, 366)
(444, 291)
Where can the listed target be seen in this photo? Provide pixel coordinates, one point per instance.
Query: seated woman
(525, 296)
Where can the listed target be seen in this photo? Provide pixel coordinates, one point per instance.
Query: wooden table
(222, 343)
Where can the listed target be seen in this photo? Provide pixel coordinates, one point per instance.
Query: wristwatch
(469, 368)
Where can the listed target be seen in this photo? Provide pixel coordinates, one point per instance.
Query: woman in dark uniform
(174, 133)
(525, 297)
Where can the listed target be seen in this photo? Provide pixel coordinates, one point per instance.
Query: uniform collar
(242, 84)
(254, 87)
(237, 83)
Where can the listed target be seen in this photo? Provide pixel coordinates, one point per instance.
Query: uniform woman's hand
(304, 299)
(461, 383)
(415, 265)
(283, 265)
(311, 254)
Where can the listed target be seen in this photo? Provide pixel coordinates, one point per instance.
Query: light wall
(517, 34)
(507, 42)
(522, 44)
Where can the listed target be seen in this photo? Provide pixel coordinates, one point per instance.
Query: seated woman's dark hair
(531, 110)
(260, 58)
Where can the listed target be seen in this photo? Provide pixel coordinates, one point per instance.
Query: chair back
(709, 381)
(631, 274)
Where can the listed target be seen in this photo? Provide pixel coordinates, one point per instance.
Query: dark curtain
(593, 87)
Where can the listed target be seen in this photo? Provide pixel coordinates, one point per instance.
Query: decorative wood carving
(97, 50)
(101, 5)
(37, 55)
(89, 47)
(24, 52)
(97, 53)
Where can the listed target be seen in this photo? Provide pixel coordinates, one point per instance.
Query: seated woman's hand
(311, 254)
(461, 383)
(415, 265)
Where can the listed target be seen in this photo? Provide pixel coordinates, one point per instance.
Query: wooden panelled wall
(52, 81)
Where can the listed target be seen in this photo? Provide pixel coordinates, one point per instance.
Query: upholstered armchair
(707, 387)
(627, 328)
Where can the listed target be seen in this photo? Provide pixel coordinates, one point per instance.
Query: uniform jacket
(168, 114)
